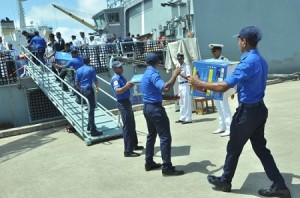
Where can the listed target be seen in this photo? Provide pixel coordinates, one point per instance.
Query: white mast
(21, 14)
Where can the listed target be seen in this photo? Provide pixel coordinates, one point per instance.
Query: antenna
(21, 13)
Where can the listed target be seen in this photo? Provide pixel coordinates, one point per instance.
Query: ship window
(100, 21)
(113, 17)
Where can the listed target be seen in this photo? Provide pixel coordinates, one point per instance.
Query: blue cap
(117, 64)
(85, 59)
(250, 33)
(151, 58)
(74, 50)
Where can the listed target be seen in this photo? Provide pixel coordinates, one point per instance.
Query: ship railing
(100, 55)
(113, 98)
(138, 50)
(47, 86)
(48, 70)
(8, 69)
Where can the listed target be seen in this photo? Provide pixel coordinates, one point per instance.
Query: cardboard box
(213, 70)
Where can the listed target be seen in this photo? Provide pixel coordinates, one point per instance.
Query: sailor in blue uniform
(40, 46)
(85, 78)
(156, 117)
(121, 90)
(75, 63)
(249, 120)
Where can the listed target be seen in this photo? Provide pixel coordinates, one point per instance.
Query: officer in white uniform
(75, 42)
(221, 105)
(183, 91)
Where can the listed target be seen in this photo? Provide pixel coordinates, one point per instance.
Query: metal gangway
(76, 114)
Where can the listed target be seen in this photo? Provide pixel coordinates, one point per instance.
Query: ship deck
(54, 163)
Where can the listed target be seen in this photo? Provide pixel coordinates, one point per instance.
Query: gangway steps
(71, 110)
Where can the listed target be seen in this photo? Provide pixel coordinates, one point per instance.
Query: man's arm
(168, 97)
(59, 66)
(171, 82)
(124, 88)
(214, 86)
(95, 80)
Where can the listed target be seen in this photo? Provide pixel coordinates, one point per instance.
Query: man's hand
(97, 89)
(129, 85)
(176, 97)
(193, 80)
(178, 70)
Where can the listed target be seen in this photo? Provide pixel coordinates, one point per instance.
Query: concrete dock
(53, 163)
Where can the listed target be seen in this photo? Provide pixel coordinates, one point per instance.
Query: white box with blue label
(213, 70)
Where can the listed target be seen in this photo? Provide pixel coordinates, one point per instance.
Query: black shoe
(152, 166)
(131, 154)
(219, 185)
(96, 133)
(171, 171)
(179, 121)
(275, 192)
(186, 122)
(138, 148)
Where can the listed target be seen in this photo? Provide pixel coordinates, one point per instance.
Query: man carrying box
(250, 76)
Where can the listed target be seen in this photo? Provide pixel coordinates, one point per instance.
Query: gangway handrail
(63, 82)
(106, 110)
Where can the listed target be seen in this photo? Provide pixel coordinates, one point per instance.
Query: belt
(154, 104)
(183, 82)
(123, 100)
(252, 104)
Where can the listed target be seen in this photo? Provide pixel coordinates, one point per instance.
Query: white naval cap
(213, 45)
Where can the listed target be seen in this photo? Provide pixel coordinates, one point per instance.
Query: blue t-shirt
(76, 63)
(250, 76)
(152, 86)
(39, 42)
(85, 76)
(118, 81)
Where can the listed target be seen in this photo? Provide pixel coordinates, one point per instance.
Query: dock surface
(53, 163)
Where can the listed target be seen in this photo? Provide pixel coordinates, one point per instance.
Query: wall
(216, 21)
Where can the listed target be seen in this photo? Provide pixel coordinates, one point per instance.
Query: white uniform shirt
(101, 39)
(49, 50)
(223, 58)
(93, 42)
(2, 48)
(84, 41)
(185, 71)
(14, 53)
(76, 43)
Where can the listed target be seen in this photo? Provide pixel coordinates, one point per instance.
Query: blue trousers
(129, 132)
(90, 95)
(249, 123)
(158, 123)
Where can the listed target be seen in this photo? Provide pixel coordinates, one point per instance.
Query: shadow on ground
(29, 142)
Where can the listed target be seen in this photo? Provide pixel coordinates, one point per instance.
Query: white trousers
(185, 102)
(224, 114)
